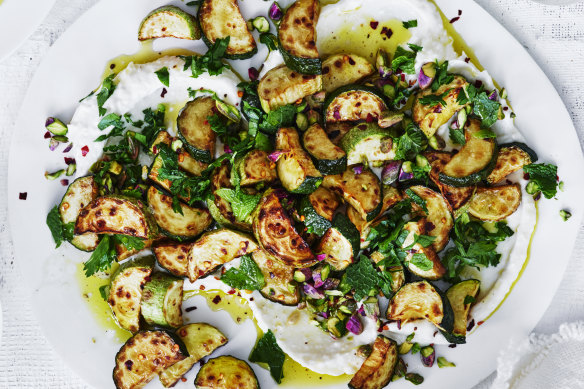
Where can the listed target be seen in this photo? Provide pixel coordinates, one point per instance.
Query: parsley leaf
(60, 232)
(417, 199)
(102, 257)
(130, 242)
(405, 60)
(362, 277)
(268, 351)
(410, 143)
(457, 135)
(410, 23)
(110, 120)
(247, 277)
(107, 89)
(483, 107)
(210, 62)
(163, 76)
(153, 122)
(282, 117)
(442, 76)
(545, 178)
(434, 100)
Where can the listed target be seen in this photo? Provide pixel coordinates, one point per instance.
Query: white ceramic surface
(18, 20)
(73, 69)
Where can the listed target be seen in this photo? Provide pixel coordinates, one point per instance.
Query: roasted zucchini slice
(186, 161)
(219, 207)
(123, 252)
(226, 372)
(297, 34)
(144, 356)
(362, 191)
(125, 291)
(116, 215)
(398, 275)
(282, 85)
(342, 69)
(456, 197)
(377, 370)
(275, 233)
(328, 158)
(169, 22)
(200, 339)
(173, 256)
(314, 222)
(420, 300)
(221, 19)
(461, 295)
(81, 192)
(336, 130)
(497, 203)
(162, 300)
(194, 128)
(341, 243)
(368, 143)
(509, 160)
(295, 168)
(255, 167)
(280, 285)
(191, 223)
(354, 102)
(417, 228)
(430, 118)
(475, 160)
(439, 220)
(216, 248)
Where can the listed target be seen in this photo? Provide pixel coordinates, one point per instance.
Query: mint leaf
(362, 277)
(442, 76)
(211, 62)
(486, 109)
(282, 117)
(410, 23)
(268, 351)
(422, 262)
(102, 257)
(545, 176)
(241, 203)
(163, 76)
(269, 40)
(104, 292)
(405, 60)
(457, 136)
(417, 199)
(434, 100)
(107, 89)
(112, 119)
(247, 277)
(56, 225)
(424, 240)
(410, 143)
(485, 134)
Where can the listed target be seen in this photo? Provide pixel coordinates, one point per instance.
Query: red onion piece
(53, 144)
(226, 149)
(312, 292)
(390, 172)
(494, 95)
(274, 156)
(84, 150)
(318, 282)
(321, 257)
(64, 182)
(324, 314)
(427, 74)
(404, 176)
(275, 12)
(68, 148)
(69, 161)
(331, 283)
(358, 169)
(253, 74)
(48, 134)
(354, 325)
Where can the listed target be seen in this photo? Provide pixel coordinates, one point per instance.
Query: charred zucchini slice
(297, 34)
(493, 204)
(275, 233)
(336, 130)
(377, 370)
(255, 167)
(461, 295)
(328, 158)
(200, 339)
(342, 69)
(162, 300)
(125, 292)
(341, 243)
(280, 285)
(420, 300)
(354, 102)
(169, 22)
(191, 223)
(221, 19)
(226, 372)
(417, 228)
(219, 207)
(81, 192)
(194, 128)
(398, 275)
(116, 215)
(166, 184)
(295, 168)
(368, 143)
(475, 160)
(186, 161)
(282, 85)
(173, 256)
(509, 160)
(456, 197)
(427, 117)
(439, 220)
(216, 248)
(318, 209)
(362, 191)
(144, 356)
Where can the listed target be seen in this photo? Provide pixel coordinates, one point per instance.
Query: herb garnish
(543, 177)
(105, 253)
(61, 232)
(405, 60)
(211, 62)
(434, 100)
(268, 351)
(107, 89)
(242, 203)
(457, 136)
(485, 108)
(410, 24)
(412, 142)
(247, 277)
(163, 76)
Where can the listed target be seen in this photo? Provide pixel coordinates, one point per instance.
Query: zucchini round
(194, 128)
(280, 285)
(456, 197)
(354, 102)
(226, 372)
(327, 158)
(315, 223)
(162, 300)
(493, 204)
(368, 143)
(81, 192)
(169, 22)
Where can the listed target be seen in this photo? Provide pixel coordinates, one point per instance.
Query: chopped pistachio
(442, 362)
(565, 215)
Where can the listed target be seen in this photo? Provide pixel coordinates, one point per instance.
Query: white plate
(18, 20)
(73, 67)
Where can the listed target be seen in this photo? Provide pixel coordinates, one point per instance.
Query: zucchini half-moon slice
(116, 215)
(368, 143)
(458, 295)
(169, 22)
(456, 197)
(343, 69)
(162, 300)
(221, 19)
(216, 248)
(497, 203)
(318, 209)
(200, 339)
(194, 128)
(254, 168)
(475, 160)
(280, 285)
(282, 85)
(81, 192)
(190, 224)
(354, 102)
(420, 300)
(275, 233)
(377, 370)
(417, 228)
(297, 34)
(439, 220)
(144, 356)
(219, 207)
(341, 243)
(173, 256)
(226, 372)
(326, 156)
(510, 159)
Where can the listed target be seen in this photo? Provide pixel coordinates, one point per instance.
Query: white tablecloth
(553, 35)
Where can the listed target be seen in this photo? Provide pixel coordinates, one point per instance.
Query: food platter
(18, 20)
(52, 278)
